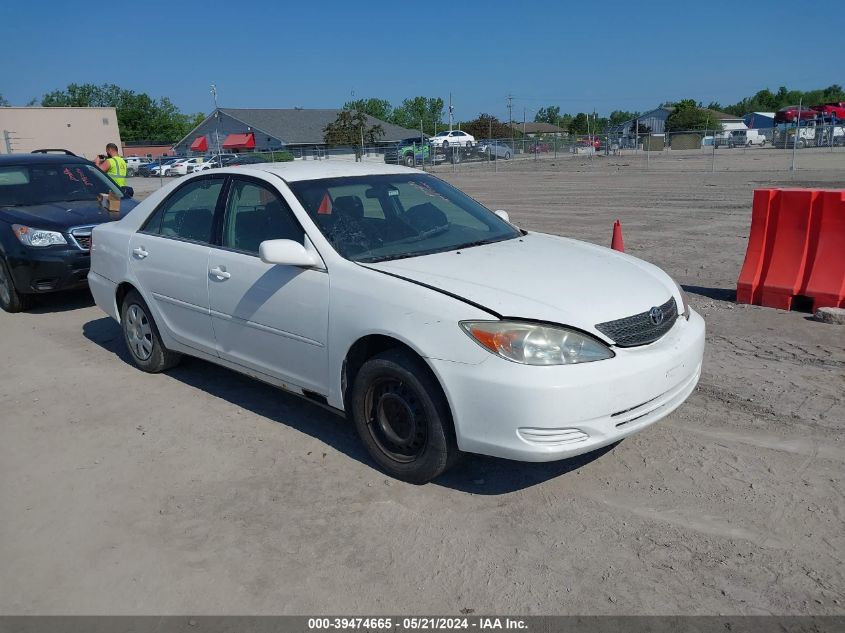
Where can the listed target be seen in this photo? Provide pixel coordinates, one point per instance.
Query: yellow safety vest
(117, 170)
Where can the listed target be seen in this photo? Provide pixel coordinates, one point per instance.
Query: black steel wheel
(402, 417)
(10, 299)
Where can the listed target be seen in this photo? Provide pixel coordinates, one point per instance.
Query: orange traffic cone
(617, 243)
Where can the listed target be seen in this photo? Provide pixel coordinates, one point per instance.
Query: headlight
(37, 237)
(684, 303)
(533, 344)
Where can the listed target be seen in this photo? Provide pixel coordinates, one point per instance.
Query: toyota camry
(433, 323)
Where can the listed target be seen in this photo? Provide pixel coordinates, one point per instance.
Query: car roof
(314, 170)
(39, 159)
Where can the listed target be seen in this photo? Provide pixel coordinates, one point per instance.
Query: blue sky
(581, 56)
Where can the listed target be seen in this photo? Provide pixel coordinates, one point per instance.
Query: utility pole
(216, 123)
(510, 115)
(451, 108)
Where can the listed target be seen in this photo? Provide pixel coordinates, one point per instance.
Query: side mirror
(128, 192)
(503, 214)
(287, 253)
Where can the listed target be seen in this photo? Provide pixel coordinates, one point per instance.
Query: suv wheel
(409, 160)
(403, 418)
(142, 337)
(10, 299)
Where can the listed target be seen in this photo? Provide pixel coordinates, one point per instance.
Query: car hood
(60, 216)
(544, 278)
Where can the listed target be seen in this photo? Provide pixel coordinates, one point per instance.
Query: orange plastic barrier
(796, 248)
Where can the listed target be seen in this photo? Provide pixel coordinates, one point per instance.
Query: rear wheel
(10, 299)
(403, 418)
(142, 337)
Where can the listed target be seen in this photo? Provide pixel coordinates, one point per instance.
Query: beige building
(83, 131)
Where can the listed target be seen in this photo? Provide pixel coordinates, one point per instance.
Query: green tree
(767, 101)
(350, 128)
(688, 115)
(550, 114)
(377, 108)
(486, 126)
(428, 110)
(618, 117)
(578, 124)
(140, 117)
(3, 102)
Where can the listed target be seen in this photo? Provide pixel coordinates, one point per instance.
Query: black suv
(48, 205)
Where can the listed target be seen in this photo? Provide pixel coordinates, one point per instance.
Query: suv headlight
(534, 344)
(37, 237)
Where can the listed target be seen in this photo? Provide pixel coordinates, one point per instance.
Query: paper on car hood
(542, 277)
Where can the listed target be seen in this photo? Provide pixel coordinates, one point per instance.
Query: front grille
(639, 328)
(81, 237)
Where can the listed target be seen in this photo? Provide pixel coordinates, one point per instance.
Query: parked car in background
(182, 167)
(151, 169)
(48, 207)
(495, 149)
(433, 323)
(164, 168)
(211, 162)
(452, 138)
(134, 163)
(539, 147)
(243, 159)
(410, 152)
(755, 137)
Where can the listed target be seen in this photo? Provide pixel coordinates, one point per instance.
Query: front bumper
(539, 414)
(50, 270)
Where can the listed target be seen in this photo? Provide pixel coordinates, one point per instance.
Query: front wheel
(10, 299)
(507, 155)
(402, 417)
(409, 160)
(142, 337)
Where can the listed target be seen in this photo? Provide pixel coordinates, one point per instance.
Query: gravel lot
(204, 492)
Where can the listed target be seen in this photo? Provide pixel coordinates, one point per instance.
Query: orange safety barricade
(796, 248)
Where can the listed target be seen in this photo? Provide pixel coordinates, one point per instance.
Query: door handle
(219, 273)
(140, 252)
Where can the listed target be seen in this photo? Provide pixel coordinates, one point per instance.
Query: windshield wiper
(437, 230)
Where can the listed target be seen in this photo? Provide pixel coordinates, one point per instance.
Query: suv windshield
(378, 218)
(52, 182)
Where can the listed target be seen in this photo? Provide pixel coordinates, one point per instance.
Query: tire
(507, 155)
(402, 417)
(445, 145)
(409, 160)
(801, 143)
(142, 337)
(10, 299)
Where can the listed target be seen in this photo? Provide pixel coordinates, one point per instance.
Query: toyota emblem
(655, 315)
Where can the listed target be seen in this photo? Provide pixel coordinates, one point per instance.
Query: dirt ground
(204, 492)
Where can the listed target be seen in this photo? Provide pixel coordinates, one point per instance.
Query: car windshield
(378, 218)
(446, 133)
(34, 184)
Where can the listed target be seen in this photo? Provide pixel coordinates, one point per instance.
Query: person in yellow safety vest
(113, 164)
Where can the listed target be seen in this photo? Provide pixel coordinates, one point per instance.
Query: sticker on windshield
(427, 189)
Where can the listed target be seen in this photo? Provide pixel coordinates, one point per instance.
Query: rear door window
(188, 213)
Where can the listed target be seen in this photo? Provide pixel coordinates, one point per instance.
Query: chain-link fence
(714, 151)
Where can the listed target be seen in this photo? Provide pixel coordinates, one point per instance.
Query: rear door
(271, 318)
(169, 259)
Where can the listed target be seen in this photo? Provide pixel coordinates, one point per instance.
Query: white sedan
(185, 166)
(386, 294)
(452, 138)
